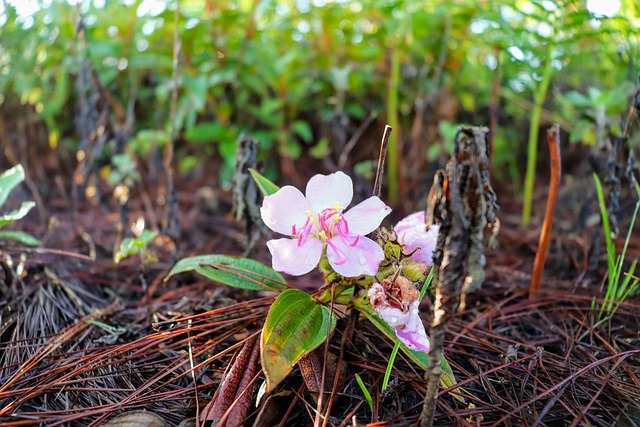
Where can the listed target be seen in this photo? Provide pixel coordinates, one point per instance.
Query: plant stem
(173, 226)
(553, 139)
(392, 119)
(532, 147)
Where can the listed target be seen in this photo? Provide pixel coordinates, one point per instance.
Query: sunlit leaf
(16, 214)
(20, 236)
(296, 325)
(243, 273)
(10, 180)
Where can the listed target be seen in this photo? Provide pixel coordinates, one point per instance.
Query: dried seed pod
(136, 419)
(311, 369)
(232, 402)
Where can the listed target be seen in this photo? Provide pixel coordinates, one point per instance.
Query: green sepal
(266, 187)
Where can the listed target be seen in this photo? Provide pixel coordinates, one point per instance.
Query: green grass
(366, 393)
(619, 285)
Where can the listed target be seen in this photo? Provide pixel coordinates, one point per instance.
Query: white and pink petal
(408, 325)
(296, 260)
(413, 334)
(352, 261)
(419, 241)
(284, 209)
(366, 216)
(324, 191)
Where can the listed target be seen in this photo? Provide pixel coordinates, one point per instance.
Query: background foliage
(302, 76)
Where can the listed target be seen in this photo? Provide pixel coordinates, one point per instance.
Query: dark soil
(83, 340)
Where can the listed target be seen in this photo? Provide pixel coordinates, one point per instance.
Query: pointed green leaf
(20, 236)
(16, 214)
(10, 180)
(266, 187)
(296, 325)
(243, 273)
(420, 358)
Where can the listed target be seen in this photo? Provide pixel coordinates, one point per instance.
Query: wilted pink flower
(397, 304)
(412, 233)
(318, 220)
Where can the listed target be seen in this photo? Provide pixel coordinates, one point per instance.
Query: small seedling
(138, 245)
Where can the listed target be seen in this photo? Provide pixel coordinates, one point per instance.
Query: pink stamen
(304, 232)
(331, 222)
(324, 219)
(343, 231)
(343, 258)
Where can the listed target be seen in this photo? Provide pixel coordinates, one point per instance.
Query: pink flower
(412, 233)
(397, 304)
(316, 221)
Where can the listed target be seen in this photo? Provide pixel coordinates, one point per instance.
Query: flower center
(326, 224)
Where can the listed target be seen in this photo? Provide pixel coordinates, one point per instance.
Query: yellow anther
(322, 235)
(312, 220)
(309, 214)
(336, 206)
(336, 217)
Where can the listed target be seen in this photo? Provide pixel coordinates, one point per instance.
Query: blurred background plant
(304, 78)
(9, 180)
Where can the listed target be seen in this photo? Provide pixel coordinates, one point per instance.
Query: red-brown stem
(553, 139)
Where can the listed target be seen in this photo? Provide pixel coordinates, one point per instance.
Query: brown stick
(384, 146)
(553, 139)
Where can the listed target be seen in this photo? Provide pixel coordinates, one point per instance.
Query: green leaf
(303, 130)
(420, 358)
(209, 131)
(243, 273)
(578, 99)
(580, 130)
(20, 236)
(16, 214)
(266, 187)
(321, 149)
(295, 325)
(10, 180)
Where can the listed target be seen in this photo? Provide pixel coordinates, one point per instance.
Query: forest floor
(86, 342)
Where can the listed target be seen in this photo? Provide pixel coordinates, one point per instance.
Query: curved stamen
(343, 231)
(324, 219)
(304, 232)
(330, 222)
(343, 258)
